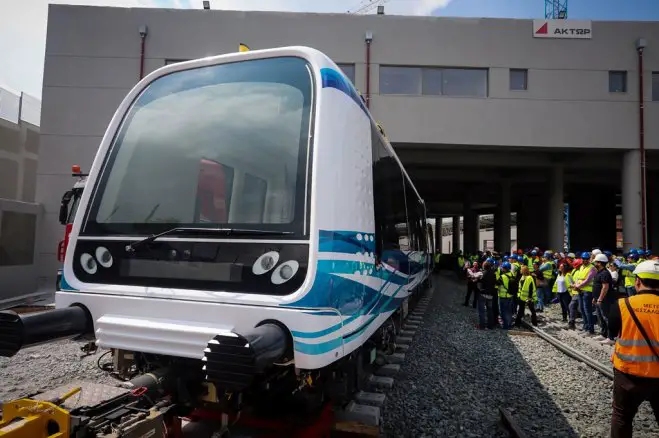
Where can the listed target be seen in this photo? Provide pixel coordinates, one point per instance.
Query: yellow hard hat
(648, 269)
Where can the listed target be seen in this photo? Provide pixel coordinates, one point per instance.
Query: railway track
(604, 369)
(548, 332)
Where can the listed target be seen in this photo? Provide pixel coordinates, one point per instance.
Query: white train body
(289, 146)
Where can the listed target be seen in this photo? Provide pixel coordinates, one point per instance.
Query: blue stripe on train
(334, 79)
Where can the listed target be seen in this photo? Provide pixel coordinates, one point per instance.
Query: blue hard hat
(608, 253)
(585, 255)
(505, 265)
(633, 251)
(520, 258)
(633, 256)
(648, 253)
(489, 260)
(534, 252)
(547, 254)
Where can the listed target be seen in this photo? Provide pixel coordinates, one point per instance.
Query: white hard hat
(571, 255)
(596, 252)
(648, 269)
(601, 258)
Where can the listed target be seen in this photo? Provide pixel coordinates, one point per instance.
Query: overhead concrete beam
(508, 159)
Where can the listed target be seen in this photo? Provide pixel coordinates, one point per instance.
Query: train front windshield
(219, 146)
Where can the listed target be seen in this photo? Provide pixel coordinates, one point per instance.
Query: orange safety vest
(632, 355)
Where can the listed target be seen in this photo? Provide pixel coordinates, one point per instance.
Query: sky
(23, 22)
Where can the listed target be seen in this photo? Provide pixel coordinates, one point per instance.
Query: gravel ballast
(46, 367)
(455, 378)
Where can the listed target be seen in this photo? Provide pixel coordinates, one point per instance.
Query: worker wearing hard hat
(583, 283)
(636, 356)
(627, 269)
(603, 294)
(507, 291)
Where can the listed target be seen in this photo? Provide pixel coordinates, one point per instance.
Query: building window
(174, 61)
(432, 81)
(349, 71)
(655, 86)
(400, 80)
(464, 82)
(519, 79)
(617, 81)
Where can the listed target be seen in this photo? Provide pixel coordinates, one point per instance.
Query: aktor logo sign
(562, 29)
(543, 29)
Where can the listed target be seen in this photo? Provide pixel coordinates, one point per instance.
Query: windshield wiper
(202, 231)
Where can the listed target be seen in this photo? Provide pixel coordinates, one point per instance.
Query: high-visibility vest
(581, 275)
(517, 267)
(549, 273)
(570, 279)
(504, 289)
(630, 279)
(527, 288)
(461, 261)
(437, 258)
(632, 355)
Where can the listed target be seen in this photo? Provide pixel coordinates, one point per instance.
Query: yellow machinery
(26, 418)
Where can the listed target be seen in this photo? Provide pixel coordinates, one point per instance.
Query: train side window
(388, 198)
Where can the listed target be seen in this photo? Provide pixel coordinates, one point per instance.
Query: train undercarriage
(254, 391)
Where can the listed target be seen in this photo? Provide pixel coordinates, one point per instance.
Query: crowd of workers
(502, 287)
(619, 294)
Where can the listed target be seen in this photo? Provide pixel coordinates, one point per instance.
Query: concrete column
(471, 229)
(556, 206)
(455, 246)
(631, 200)
(532, 216)
(653, 210)
(502, 220)
(438, 235)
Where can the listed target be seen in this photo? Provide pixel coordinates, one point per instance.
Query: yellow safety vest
(527, 288)
(630, 278)
(632, 354)
(581, 275)
(461, 261)
(518, 267)
(548, 274)
(504, 287)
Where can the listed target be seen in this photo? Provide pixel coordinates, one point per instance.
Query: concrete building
(19, 214)
(486, 117)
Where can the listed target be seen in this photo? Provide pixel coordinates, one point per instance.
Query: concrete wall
(19, 153)
(92, 60)
(19, 222)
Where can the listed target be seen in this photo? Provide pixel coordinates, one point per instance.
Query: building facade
(19, 214)
(486, 117)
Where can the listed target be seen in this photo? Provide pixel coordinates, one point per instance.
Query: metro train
(246, 227)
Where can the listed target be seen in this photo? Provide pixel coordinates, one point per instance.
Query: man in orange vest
(636, 356)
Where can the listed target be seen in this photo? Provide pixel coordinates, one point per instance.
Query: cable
(109, 367)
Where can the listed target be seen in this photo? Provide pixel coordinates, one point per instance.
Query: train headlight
(265, 263)
(285, 272)
(88, 263)
(104, 257)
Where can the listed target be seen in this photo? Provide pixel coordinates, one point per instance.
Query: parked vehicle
(67, 212)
